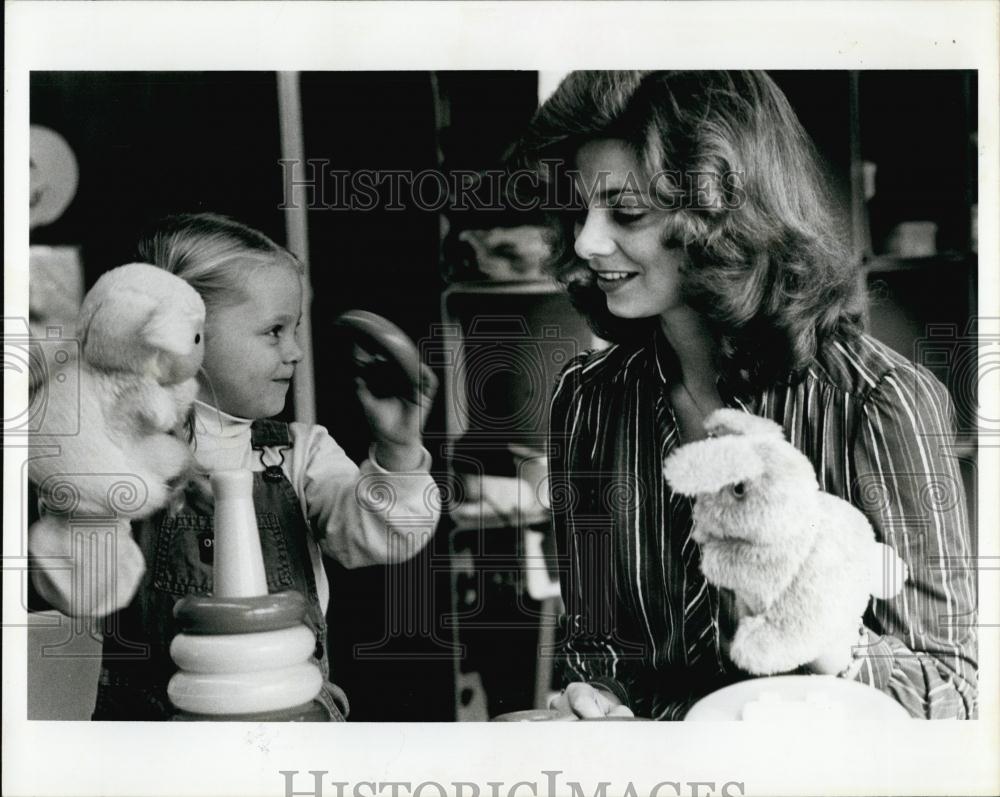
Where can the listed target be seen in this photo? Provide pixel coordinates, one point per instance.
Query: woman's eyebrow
(609, 196)
(603, 197)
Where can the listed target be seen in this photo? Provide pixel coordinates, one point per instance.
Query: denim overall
(178, 546)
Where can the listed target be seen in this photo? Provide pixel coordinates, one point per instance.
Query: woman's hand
(839, 659)
(831, 662)
(582, 701)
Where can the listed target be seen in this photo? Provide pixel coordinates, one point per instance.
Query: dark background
(149, 144)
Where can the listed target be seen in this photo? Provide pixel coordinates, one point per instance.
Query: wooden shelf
(876, 264)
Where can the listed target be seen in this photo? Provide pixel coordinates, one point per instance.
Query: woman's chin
(628, 311)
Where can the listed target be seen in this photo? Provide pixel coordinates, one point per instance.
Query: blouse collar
(666, 369)
(664, 359)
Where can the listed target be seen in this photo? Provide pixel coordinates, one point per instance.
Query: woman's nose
(593, 238)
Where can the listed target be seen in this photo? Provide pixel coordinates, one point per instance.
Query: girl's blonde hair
(212, 253)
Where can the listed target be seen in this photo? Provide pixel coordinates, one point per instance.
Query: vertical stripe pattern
(640, 617)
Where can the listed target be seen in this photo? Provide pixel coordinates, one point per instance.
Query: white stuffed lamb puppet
(802, 563)
(114, 450)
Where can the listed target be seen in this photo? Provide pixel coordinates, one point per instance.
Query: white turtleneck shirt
(358, 515)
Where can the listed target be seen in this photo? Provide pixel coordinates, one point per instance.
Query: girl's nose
(593, 238)
(293, 353)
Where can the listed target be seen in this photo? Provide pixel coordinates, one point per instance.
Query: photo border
(233, 759)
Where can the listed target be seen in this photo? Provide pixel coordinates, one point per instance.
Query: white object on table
(797, 698)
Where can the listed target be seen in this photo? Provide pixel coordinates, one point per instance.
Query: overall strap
(277, 435)
(270, 434)
(137, 664)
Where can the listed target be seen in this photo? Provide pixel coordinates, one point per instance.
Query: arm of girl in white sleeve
(367, 515)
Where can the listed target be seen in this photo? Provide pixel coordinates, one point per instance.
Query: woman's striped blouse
(640, 617)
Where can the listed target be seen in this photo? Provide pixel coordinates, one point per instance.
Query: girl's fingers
(428, 386)
(363, 392)
(392, 420)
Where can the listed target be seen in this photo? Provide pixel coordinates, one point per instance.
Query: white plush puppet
(141, 334)
(801, 563)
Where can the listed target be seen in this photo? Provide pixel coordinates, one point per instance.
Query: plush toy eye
(197, 339)
(739, 489)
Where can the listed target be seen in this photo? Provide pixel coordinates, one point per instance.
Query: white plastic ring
(241, 693)
(235, 653)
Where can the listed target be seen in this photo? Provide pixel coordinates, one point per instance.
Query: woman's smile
(611, 281)
(622, 235)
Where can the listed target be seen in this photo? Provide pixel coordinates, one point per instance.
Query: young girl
(311, 499)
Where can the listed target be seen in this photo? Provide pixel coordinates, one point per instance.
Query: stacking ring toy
(237, 653)
(307, 712)
(243, 653)
(397, 370)
(240, 693)
(200, 614)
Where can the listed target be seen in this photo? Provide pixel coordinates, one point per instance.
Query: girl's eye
(275, 331)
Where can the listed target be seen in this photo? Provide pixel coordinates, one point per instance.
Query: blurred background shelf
(876, 264)
(898, 147)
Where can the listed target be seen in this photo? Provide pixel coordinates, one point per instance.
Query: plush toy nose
(707, 466)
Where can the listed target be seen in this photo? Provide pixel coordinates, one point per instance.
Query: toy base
(307, 712)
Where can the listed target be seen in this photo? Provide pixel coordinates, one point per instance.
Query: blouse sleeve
(367, 515)
(922, 647)
(588, 649)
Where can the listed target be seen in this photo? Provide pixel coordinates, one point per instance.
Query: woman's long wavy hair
(769, 269)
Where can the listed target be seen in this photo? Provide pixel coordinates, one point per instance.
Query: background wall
(151, 144)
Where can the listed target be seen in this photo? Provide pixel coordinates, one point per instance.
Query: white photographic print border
(42, 758)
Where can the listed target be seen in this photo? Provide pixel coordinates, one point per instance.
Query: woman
(703, 245)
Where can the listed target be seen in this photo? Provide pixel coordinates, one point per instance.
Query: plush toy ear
(706, 466)
(171, 329)
(111, 335)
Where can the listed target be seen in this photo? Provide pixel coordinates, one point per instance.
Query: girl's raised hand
(395, 388)
(397, 424)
